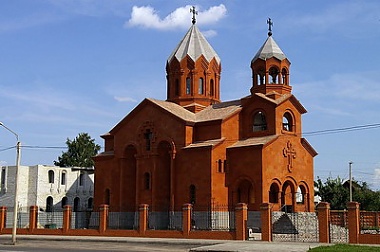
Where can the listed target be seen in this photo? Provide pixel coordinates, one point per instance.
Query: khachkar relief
(290, 154)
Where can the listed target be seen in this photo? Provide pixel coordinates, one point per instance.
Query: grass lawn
(345, 247)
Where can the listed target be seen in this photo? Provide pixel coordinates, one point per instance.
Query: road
(58, 246)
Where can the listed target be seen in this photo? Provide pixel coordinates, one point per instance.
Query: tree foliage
(337, 193)
(79, 152)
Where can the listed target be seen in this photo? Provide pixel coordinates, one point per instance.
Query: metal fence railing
(216, 217)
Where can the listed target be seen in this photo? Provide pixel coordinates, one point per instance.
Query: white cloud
(148, 17)
(124, 99)
(209, 33)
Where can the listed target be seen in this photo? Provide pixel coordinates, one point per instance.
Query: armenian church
(195, 148)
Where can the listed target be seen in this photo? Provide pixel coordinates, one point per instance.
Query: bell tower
(270, 68)
(193, 71)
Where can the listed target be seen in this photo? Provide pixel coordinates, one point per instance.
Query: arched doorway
(245, 193)
(49, 204)
(76, 204)
(287, 197)
(274, 192)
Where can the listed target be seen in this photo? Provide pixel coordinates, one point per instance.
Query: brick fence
(240, 232)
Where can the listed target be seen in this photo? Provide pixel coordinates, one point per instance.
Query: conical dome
(268, 50)
(194, 45)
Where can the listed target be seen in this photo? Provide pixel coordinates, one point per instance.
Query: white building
(48, 187)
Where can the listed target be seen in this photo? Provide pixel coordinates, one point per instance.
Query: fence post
(103, 212)
(33, 218)
(241, 221)
(143, 218)
(3, 217)
(67, 212)
(266, 221)
(353, 222)
(186, 219)
(323, 209)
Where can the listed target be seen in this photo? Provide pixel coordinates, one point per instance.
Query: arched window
(287, 122)
(259, 122)
(220, 166)
(300, 195)
(176, 88)
(107, 197)
(147, 181)
(51, 176)
(212, 87)
(76, 204)
(49, 204)
(261, 77)
(192, 194)
(64, 202)
(90, 203)
(81, 179)
(3, 176)
(273, 73)
(63, 178)
(188, 85)
(284, 74)
(200, 86)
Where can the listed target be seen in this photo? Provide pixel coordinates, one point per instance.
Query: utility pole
(15, 208)
(350, 175)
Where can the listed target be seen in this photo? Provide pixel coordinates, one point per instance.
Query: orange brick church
(194, 148)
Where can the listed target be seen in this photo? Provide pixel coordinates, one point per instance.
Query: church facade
(193, 148)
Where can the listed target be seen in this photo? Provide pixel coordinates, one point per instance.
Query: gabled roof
(268, 50)
(218, 111)
(213, 112)
(254, 141)
(207, 143)
(174, 109)
(194, 45)
(282, 99)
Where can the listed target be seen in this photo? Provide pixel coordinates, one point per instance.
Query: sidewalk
(199, 245)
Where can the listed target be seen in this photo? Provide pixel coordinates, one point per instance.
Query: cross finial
(192, 10)
(270, 24)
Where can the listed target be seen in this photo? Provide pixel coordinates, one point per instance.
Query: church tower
(270, 69)
(193, 72)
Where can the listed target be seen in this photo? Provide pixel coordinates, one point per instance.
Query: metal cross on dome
(194, 12)
(290, 153)
(270, 24)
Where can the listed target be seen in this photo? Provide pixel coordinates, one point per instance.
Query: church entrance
(245, 193)
(287, 197)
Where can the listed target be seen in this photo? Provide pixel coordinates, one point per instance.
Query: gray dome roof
(194, 44)
(268, 50)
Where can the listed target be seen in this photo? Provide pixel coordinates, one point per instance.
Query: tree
(79, 152)
(335, 192)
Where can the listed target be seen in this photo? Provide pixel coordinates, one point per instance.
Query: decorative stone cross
(192, 10)
(289, 153)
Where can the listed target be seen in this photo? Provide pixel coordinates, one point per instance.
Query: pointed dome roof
(194, 44)
(268, 50)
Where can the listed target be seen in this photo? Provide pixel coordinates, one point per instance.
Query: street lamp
(15, 209)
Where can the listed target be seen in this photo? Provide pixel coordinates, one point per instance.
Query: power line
(341, 130)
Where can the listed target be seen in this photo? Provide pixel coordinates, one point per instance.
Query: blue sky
(71, 66)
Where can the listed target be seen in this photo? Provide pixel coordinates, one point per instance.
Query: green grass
(345, 247)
